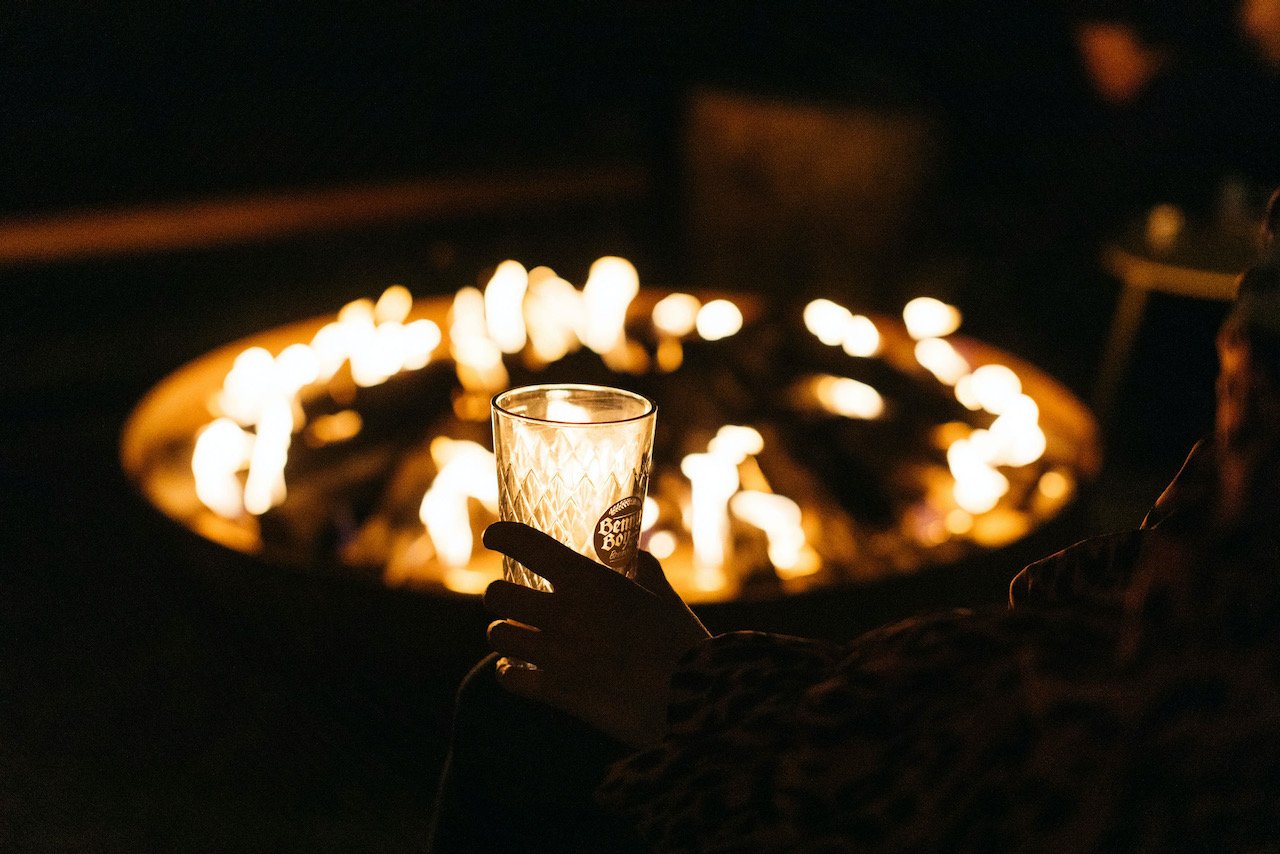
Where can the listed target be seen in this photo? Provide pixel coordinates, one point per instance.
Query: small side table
(1200, 264)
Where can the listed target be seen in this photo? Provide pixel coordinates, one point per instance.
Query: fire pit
(798, 446)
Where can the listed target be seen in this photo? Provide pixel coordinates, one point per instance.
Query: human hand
(604, 646)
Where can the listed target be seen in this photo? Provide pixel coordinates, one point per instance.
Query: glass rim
(650, 410)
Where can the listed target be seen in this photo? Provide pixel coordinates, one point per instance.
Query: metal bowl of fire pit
(799, 448)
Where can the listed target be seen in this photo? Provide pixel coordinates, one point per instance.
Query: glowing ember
(676, 314)
(736, 443)
(861, 338)
(848, 397)
(264, 488)
(339, 427)
(827, 321)
(978, 486)
(479, 361)
(611, 285)
(222, 449)
(1054, 485)
(718, 319)
(420, 339)
(504, 306)
(1017, 434)
(966, 394)
(296, 367)
(836, 326)
(712, 517)
(248, 386)
(553, 313)
(939, 358)
(467, 470)
(714, 479)
(927, 317)
(995, 387)
(393, 306)
(779, 518)
(662, 544)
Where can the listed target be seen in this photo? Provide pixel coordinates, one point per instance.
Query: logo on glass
(617, 534)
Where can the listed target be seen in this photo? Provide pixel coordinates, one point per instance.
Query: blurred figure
(1183, 108)
(1260, 23)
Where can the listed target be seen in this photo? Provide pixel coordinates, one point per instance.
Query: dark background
(156, 692)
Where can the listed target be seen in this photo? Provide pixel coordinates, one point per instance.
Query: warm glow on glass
(574, 462)
(927, 317)
(718, 319)
(939, 358)
(676, 314)
(567, 412)
(848, 397)
(504, 306)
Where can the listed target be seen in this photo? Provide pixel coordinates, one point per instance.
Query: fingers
(542, 554)
(523, 681)
(517, 602)
(533, 684)
(517, 641)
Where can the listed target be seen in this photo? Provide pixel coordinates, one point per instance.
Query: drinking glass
(573, 462)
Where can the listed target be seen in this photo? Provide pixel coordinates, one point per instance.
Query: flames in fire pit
(792, 451)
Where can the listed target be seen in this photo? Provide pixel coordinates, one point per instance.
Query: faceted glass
(573, 462)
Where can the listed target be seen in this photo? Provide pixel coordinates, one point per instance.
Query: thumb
(650, 576)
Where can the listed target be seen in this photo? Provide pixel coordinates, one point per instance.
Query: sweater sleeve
(732, 698)
(781, 744)
(1094, 571)
(1097, 570)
